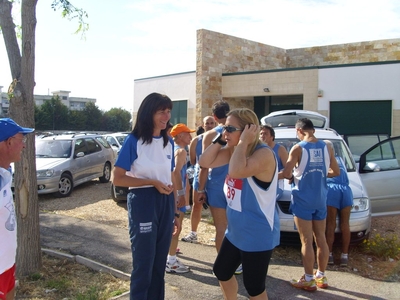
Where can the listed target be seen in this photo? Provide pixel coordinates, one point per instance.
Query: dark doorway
(267, 104)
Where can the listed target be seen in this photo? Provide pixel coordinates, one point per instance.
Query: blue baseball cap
(9, 128)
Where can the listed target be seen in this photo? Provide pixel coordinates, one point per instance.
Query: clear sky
(132, 39)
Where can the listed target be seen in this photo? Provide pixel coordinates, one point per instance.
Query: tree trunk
(22, 111)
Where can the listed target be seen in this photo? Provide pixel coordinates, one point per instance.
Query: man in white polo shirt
(12, 142)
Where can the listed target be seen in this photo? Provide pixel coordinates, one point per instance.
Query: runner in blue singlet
(250, 193)
(308, 165)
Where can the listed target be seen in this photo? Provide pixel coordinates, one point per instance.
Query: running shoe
(331, 261)
(344, 261)
(303, 284)
(176, 267)
(322, 282)
(190, 238)
(239, 270)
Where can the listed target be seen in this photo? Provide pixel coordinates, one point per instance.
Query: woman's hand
(249, 133)
(163, 188)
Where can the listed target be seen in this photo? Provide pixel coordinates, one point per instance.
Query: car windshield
(289, 119)
(53, 148)
(121, 138)
(340, 150)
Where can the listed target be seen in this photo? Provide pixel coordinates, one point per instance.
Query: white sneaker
(176, 267)
(239, 270)
(190, 238)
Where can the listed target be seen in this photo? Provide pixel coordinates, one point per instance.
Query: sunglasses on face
(230, 128)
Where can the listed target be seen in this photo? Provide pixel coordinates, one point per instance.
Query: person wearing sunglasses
(250, 192)
(12, 142)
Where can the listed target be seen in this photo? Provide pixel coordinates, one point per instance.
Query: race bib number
(233, 192)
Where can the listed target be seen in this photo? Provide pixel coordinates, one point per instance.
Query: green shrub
(383, 247)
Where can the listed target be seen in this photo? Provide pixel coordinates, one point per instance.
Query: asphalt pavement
(108, 248)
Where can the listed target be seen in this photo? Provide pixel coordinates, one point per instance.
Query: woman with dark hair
(145, 164)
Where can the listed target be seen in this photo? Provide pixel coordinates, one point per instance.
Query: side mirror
(371, 167)
(80, 154)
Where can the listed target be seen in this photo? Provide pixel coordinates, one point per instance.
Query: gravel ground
(92, 201)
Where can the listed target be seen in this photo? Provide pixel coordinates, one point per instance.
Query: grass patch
(63, 279)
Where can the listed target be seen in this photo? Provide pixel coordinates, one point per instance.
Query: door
(379, 169)
(361, 117)
(265, 105)
(96, 157)
(80, 165)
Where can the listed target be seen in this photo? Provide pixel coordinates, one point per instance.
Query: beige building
(73, 103)
(355, 85)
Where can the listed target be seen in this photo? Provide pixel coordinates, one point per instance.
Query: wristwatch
(218, 139)
(177, 215)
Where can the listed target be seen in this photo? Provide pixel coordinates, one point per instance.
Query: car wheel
(65, 186)
(120, 195)
(106, 173)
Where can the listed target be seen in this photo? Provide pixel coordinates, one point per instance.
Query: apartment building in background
(73, 103)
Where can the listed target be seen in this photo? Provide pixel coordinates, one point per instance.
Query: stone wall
(219, 53)
(362, 52)
(396, 122)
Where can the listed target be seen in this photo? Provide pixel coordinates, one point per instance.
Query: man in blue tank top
(195, 150)
(211, 181)
(310, 162)
(339, 201)
(267, 135)
(182, 138)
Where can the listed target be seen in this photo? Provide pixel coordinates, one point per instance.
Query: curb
(90, 264)
(124, 295)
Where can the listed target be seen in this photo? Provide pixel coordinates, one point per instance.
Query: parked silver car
(65, 161)
(379, 169)
(289, 117)
(116, 140)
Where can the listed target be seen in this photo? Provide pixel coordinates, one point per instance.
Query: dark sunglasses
(230, 128)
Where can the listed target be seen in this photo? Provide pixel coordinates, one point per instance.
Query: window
(104, 142)
(179, 112)
(80, 146)
(358, 144)
(93, 146)
(386, 155)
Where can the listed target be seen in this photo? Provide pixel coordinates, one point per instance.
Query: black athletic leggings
(255, 266)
